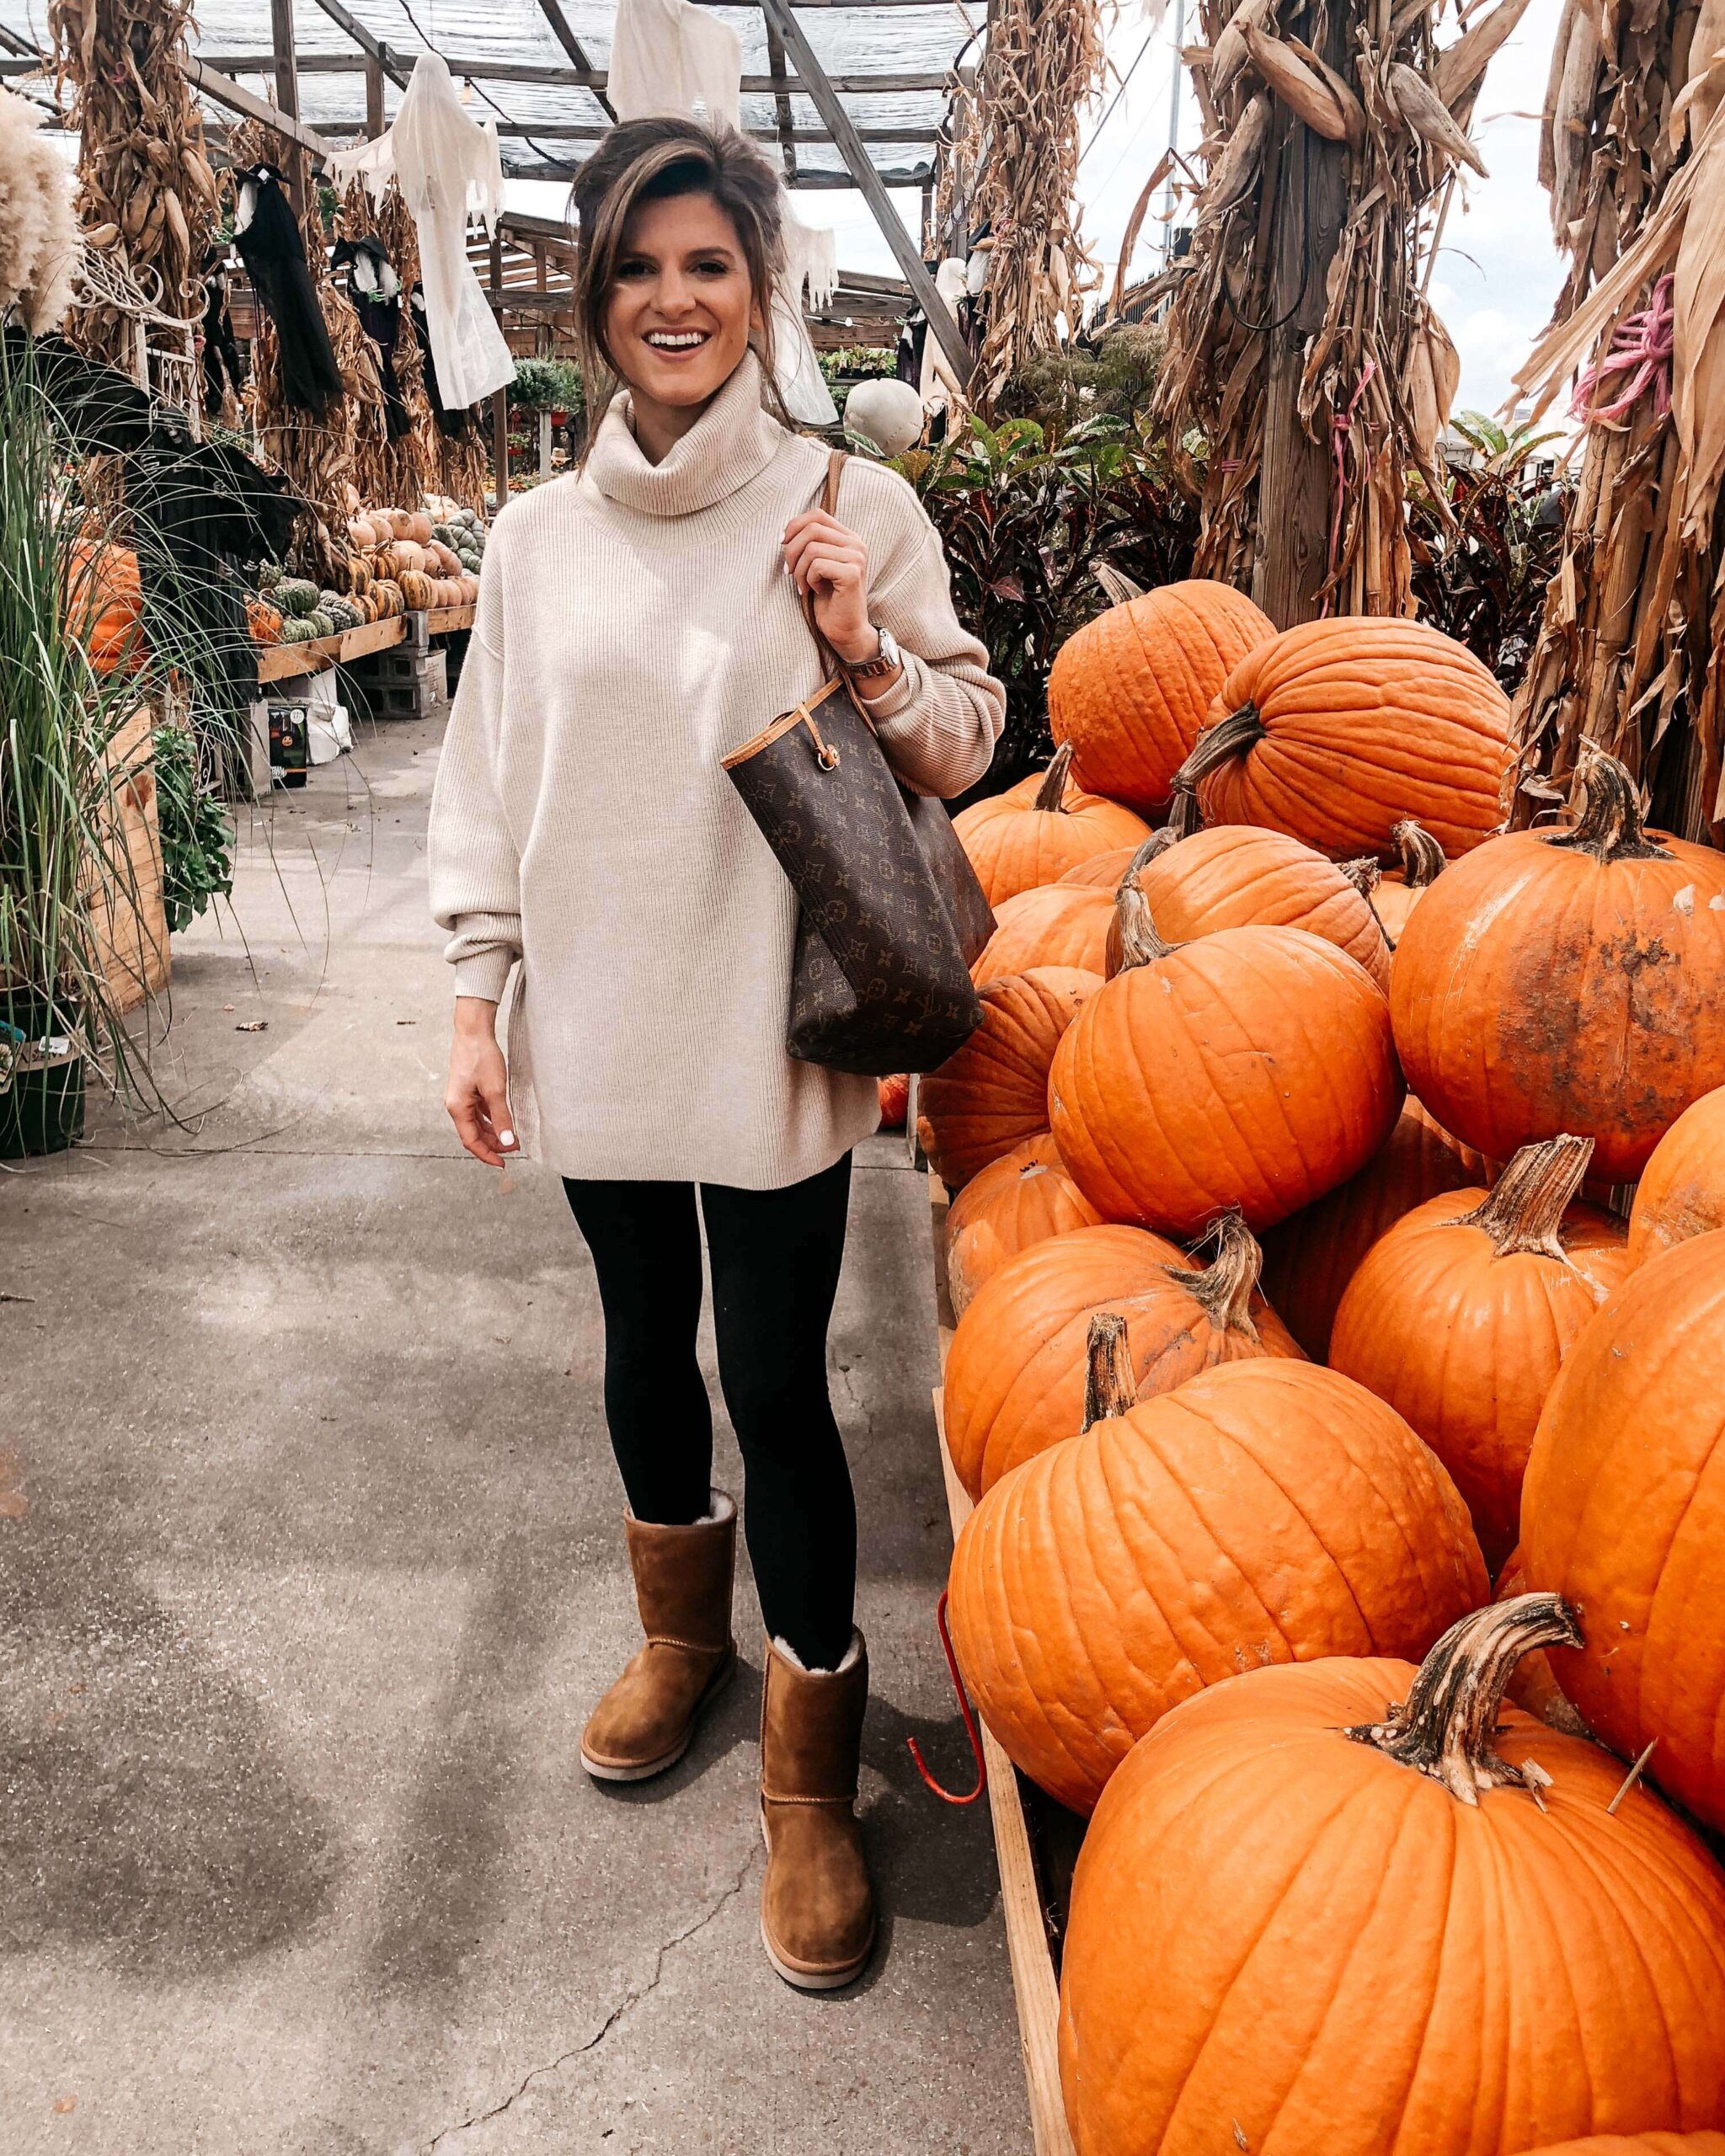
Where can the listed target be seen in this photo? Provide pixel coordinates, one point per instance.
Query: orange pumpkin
(1638, 2144)
(1056, 925)
(105, 603)
(364, 533)
(1131, 689)
(415, 590)
(993, 1093)
(1460, 1316)
(1400, 890)
(419, 527)
(1568, 980)
(263, 621)
(1037, 830)
(1267, 1512)
(1015, 1375)
(1024, 1198)
(1682, 1188)
(1309, 1259)
(1105, 871)
(1252, 1068)
(1302, 1924)
(1623, 1513)
(1239, 876)
(1339, 730)
(894, 1097)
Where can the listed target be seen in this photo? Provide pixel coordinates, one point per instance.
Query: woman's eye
(716, 269)
(628, 271)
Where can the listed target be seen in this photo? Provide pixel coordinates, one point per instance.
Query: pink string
(947, 1796)
(1341, 424)
(1641, 348)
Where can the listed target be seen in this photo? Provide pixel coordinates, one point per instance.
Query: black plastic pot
(42, 1108)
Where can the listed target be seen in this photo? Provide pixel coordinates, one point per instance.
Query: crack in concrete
(856, 1398)
(631, 1999)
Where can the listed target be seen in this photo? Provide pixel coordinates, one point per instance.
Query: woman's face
(680, 310)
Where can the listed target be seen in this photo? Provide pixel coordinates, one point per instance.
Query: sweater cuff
(484, 973)
(903, 693)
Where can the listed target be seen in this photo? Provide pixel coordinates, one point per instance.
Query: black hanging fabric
(267, 234)
(376, 292)
(456, 424)
(223, 367)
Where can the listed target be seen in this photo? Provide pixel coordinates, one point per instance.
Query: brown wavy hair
(650, 161)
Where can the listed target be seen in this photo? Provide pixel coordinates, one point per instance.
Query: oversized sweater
(634, 625)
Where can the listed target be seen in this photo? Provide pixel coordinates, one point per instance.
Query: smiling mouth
(680, 340)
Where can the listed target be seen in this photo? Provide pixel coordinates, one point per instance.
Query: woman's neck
(658, 427)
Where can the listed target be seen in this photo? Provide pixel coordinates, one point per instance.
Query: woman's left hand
(830, 564)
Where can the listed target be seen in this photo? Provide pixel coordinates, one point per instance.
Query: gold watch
(884, 660)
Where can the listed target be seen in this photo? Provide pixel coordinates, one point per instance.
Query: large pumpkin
(1017, 1368)
(1682, 1188)
(1131, 689)
(992, 1093)
(1239, 876)
(104, 603)
(1036, 830)
(1401, 889)
(1058, 924)
(1267, 1512)
(1309, 1259)
(1568, 980)
(1022, 1198)
(1638, 2144)
(1303, 1925)
(1461, 1314)
(1252, 1068)
(1105, 871)
(1623, 1513)
(1339, 730)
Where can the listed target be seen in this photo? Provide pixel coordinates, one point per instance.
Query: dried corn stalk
(146, 189)
(1629, 652)
(1019, 154)
(1301, 347)
(386, 472)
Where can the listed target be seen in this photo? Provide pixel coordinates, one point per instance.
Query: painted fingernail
(505, 1138)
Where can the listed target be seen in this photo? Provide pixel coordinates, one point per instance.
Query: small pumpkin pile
(431, 562)
(1326, 1024)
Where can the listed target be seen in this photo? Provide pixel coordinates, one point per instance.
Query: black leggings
(775, 1256)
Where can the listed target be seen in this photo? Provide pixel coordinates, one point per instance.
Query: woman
(636, 621)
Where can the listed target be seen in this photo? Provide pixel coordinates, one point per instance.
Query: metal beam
(812, 181)
(572, 46)
(476, 70)
(873, 184)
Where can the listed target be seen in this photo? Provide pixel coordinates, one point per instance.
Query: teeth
(666, 342)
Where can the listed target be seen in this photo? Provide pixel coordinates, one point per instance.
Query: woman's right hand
(477, 1096)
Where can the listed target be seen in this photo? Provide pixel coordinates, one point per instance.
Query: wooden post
(499, 400)
(287, 91)
(813, 77)
(1296, 473)
(374, 98)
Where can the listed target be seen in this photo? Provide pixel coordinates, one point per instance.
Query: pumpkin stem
(1184, 816)
(1526, 1209)
(1363, 874)
(1445, 1726)
(1609, 824)
(1051, 794)
(1225, 1286)
(1109, 1386)
(1232, 736)
(1423, 859)
(1139, 941)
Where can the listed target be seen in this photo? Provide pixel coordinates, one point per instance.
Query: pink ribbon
(1641, 348)
(1341, 424)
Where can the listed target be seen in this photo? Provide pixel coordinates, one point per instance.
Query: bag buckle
(826, 754)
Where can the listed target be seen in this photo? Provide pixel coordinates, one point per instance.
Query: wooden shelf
(1034, 1986)
(279, 662)
(442, 619)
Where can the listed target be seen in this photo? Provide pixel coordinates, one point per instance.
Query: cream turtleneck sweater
(634, 625)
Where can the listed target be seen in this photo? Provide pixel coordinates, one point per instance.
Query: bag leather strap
(830, 663)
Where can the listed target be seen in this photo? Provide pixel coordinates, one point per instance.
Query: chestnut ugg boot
(683, 1592)
(817, 1907)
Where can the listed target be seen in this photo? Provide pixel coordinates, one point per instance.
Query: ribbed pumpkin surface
(1130, 689)
(1309, 1259)
(1266, 1512)
(1102, 872)
(993, 1094)
(1237, 876)
(1058, 924)
(1016, 1369)
(1283, 1941)
(1638, 2144)
(1540, 988)
(1623, 1514)
(1024, 1198)
(1252, 1068)
(1465, 1339)
(1682, 1188)
(1015, 847)
(1366, 723)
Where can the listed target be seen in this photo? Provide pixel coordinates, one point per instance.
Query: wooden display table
(278, 662)
(442, 620)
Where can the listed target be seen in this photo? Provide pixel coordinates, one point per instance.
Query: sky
(1497, 274)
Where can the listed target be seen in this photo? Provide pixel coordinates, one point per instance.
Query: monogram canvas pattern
(892, 913)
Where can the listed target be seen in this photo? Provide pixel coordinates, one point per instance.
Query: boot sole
(812, 1979)
(602, 1771)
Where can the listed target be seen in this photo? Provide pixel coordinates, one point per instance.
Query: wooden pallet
(1025, 1893)
(278, 662)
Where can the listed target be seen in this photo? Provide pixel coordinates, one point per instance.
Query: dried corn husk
(1301, 88)
(1461, 65)
(1430, 117)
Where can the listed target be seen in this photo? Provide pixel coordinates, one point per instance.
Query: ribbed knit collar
(732, 442)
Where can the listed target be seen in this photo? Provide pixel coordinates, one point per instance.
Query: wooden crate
(1033, 1846)
(131, 923)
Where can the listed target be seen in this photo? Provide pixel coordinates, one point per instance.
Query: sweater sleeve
(940, 720)
(476, 880)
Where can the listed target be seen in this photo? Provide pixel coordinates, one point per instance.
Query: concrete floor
(310, 1568)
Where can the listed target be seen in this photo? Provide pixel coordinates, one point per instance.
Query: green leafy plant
(196, 831)
(547, 386)
(856, 363)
